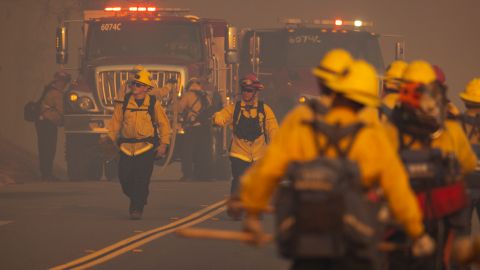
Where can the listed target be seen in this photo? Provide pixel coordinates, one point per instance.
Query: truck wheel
(83, 160)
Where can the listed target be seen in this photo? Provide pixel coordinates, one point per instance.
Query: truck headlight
(85, 103)
(73, 97)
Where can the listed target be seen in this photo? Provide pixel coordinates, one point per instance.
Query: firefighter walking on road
(470, 121)
(304, 141)
(142, 130)
(50, 118)
(436, 153)
(254, 124)
(196, 108)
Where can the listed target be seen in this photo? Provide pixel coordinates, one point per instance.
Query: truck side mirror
(231, 53)
(400, 50)
(61, 45)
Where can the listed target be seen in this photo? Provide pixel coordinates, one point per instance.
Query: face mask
(425, 106)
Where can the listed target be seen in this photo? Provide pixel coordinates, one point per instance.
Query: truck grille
(111, 84)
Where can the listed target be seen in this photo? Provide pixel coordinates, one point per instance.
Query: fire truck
(168, 42)
(283, 57)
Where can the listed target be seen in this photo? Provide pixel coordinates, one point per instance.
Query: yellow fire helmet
(472, 92)
(143, 76)
(333, 64)
(419, 71)
(359, 83)
(394, 74)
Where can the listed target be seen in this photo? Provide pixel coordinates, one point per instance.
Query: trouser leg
(126, 173)
(47, 146)
(203, 153)
(238, 168)
(461, 224)
(142, 173)
(187, 154)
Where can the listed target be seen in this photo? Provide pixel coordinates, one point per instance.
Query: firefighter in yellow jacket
(378, 162)
(426, 139)
(142, 130)
(254, 124)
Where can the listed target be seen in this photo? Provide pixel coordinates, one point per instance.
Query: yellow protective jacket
(452, 140)
(378, 162)
(138, 125)
(243, 149)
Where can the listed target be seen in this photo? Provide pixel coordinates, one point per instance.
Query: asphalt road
(85, 225)
(46, 225)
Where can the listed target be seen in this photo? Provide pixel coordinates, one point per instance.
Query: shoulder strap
(236, 114)
(151, 109)
(384, 110)
(126, 99)
(334, 134)
(474, 122)
(261, 110)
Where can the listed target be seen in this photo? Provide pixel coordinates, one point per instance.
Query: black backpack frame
(260, 110)
(151, 111)
(322, 210)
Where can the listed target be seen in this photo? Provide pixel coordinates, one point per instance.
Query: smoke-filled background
(444, 32)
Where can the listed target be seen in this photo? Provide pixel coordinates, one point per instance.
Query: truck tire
(82, 157)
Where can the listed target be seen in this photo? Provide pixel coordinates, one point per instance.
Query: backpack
(151, 111)
(322, 210)
(252, 130)
(33, 109)
(207, 110)
(434, 177)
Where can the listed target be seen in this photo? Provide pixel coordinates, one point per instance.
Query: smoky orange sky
(445, 32)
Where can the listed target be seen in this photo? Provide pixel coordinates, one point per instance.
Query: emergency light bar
(336, 22)
(147, 9)
(140, 9)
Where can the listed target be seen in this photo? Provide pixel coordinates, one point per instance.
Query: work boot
(136, 215)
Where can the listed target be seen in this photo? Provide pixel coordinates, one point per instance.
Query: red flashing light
(133, 8)
(113, 9)
(152, 9)
(142, 9)
(338, 22)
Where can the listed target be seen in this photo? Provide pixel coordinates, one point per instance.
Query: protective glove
(252, 225)
(161, 151)
(423, 246)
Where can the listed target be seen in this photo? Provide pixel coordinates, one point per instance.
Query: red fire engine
(169, 43)
(283, 57)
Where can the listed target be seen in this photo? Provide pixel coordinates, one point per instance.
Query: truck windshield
(144, 38)
(306, 47)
